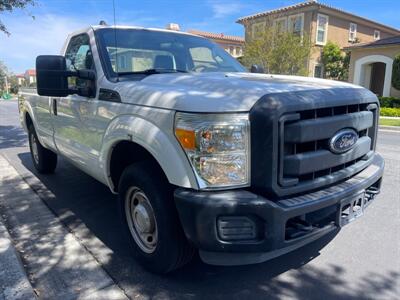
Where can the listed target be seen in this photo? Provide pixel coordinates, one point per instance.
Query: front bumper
(273, 223)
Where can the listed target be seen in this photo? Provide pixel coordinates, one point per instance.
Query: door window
(79, 57)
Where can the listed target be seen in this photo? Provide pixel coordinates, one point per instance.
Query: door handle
(55, 107)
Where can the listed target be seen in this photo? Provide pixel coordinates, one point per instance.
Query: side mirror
(52, 77)
(256, 69)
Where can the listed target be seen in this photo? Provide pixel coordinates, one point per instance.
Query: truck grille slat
(305, 155)
(326, 127)
(313, 161)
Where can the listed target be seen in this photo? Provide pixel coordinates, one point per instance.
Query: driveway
(362, 261)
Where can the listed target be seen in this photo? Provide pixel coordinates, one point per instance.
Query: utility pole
(6, 83)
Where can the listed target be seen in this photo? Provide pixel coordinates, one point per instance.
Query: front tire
(44, 160)
(150, 219)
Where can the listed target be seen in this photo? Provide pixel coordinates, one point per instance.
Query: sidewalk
(14, 283)
(58, 266)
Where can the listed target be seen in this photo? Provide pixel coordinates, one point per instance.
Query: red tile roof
(306, 4)
(390, 41)
(31, 72)
(218, 36)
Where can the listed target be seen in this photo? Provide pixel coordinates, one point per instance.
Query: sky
(54, 19)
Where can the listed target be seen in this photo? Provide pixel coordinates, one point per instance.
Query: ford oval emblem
(343, 141)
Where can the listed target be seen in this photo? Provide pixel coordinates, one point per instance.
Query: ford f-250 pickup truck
(205, 156)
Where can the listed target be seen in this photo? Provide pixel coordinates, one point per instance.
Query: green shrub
(389, 102)
(396, 73)
(390, 112)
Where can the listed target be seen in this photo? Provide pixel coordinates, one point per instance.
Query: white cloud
(30, 38)
(222, 9)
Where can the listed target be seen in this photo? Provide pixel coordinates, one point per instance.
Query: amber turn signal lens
(186, 138)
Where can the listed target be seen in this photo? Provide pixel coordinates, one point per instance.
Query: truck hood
(215, 92)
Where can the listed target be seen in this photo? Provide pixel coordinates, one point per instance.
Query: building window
(377, 35)
(322, 29)
(318, 71)
(280, 25)
(352, 32)
(257, 29)
(296, 24)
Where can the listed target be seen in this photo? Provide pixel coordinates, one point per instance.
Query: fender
(27, 109)
(45, 139)
(162, 146)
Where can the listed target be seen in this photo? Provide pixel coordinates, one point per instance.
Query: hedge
(390, 112)
(389, 102)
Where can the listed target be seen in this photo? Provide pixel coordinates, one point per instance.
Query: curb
(390, 118)
(391, 128)
(60, 267)
(14, 283)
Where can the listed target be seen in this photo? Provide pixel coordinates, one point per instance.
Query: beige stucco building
(30, 76)
(321, 23)
(232, 44)
(371, 65)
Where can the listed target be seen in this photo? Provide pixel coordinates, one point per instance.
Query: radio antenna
(115, 42)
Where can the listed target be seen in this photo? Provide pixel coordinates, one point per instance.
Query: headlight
(217, 146)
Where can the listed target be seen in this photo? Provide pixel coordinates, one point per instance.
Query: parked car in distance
(204, 156)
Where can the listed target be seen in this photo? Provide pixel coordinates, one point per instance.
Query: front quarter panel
(160, 143)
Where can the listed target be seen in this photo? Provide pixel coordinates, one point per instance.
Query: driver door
(69, 136)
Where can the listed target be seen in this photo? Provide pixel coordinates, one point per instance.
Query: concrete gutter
(389, 128)
(59, 266)
(390, 118)
(14, 283)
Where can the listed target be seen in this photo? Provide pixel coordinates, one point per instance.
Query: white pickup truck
(204, 155)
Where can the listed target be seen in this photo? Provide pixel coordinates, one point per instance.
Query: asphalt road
(362, 261)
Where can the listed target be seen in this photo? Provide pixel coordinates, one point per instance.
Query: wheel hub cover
(142, 219)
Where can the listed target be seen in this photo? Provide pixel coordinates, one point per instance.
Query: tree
(396, 73)
(3, 74)
(10, 5)
(13, 82)
(336, 64)
(278, 53)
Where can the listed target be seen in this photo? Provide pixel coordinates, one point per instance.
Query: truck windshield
(142, 51)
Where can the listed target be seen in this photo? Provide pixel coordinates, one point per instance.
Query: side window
(79, 57)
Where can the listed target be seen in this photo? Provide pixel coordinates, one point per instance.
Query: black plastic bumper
(201, 212)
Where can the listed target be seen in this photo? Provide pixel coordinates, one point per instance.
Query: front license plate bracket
(352, 209)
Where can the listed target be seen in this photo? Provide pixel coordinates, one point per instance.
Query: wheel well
(123, 155)
(28, 120)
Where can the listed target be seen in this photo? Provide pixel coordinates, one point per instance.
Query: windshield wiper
(154, 71)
